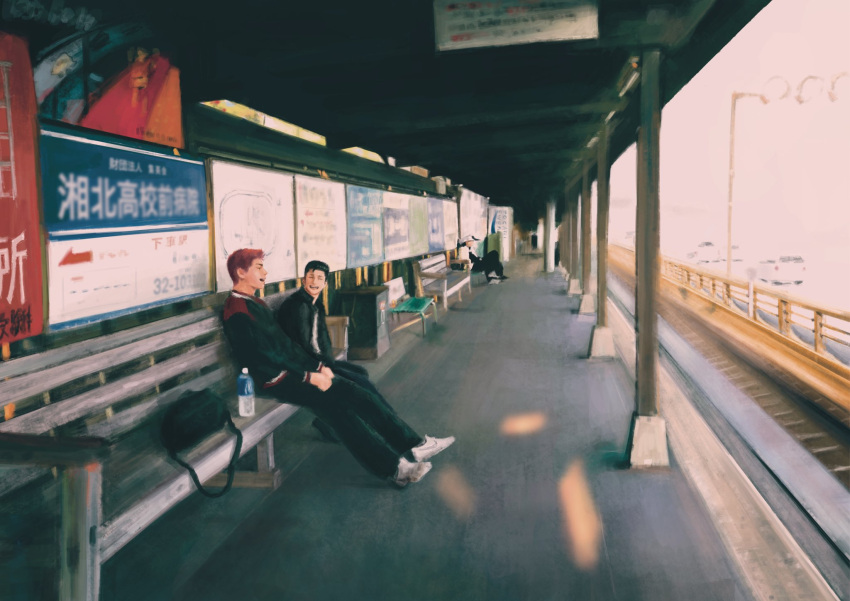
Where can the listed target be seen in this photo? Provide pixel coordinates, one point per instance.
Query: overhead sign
(502, 222)
(20, 247)
(365, 226)
(253, 208)
(126, 226)
(320, 222)
(477, 24)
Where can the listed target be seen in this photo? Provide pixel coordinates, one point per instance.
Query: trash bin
(368, 332)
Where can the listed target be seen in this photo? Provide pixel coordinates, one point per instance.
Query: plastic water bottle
(245, 391)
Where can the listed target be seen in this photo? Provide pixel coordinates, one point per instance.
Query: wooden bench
(87, 409)
(434, 277)
(401, 302)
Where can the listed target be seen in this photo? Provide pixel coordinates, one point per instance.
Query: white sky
(792, 161)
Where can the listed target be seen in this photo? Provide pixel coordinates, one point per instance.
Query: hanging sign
(450, 229)
(396, 226)
(365, 226)
(436, 226)
(320, 222)
(20, 246)
(418, 225)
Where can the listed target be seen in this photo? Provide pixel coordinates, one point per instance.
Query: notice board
(450, 229)
(396, 226)
(253, 208)
(418, 225)
(320, 226)
(365, 226)
(126, 226)
(436, 226)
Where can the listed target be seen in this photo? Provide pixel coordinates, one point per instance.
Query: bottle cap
(244, 370)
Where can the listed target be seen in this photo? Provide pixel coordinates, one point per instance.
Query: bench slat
(51, 416)
(86, 348)
(119, 531)
(126, 420)
(42, 381)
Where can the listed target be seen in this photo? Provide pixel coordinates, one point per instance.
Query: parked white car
(783, 270)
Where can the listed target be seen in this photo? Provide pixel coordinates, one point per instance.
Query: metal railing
(824, 330)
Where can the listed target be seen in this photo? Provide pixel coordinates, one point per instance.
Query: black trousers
(365, 423)
(489, 262)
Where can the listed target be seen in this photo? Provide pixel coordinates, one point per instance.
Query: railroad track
(820, 426)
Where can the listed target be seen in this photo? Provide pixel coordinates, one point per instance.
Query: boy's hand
(320, 381)
(326, 371)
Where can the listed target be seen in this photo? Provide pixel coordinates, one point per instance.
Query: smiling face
(253, 278)
(314, 282)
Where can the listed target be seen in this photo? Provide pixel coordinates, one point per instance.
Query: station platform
(533, 502)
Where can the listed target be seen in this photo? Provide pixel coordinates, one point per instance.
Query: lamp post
(804, 94)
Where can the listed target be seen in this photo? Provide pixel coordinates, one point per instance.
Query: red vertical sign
(20, 247)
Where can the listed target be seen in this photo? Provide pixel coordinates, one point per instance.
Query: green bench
(400, 302)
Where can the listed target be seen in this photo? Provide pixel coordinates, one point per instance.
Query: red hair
(242, 259)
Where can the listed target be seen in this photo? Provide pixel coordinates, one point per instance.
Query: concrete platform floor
(531, 503)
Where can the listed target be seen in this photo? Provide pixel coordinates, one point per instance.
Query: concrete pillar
(649, 431)
(602, 344)
(575, 282)
(587, 301)
(549, 239)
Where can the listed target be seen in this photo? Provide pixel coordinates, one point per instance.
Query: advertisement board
(436, 226)
(365, 226)
(418, 225)
(450, 229)
(126, 226)
(21, 300)
(253, 208)
(320, 222)
(501, 222)
(396, 226)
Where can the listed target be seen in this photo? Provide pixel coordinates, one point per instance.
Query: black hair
(317, 266)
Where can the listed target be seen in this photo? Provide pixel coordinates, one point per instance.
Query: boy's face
(255, 275)
(314, 282)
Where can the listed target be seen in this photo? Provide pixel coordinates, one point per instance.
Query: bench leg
(266, 476)
(422, 317)
(434, 309)
(79, 556)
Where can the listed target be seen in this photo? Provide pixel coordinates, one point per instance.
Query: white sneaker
(430, 447)
(409, 471)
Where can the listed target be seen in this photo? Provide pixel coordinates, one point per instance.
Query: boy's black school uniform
(374, 433)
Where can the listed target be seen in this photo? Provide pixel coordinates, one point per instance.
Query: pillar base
(602, 343)
(588, 305)
(575, 286)
(649, 442)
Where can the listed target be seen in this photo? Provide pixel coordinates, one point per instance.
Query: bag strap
(231, 468)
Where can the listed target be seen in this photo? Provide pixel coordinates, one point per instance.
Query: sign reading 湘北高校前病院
(126, 226)
(467, 24)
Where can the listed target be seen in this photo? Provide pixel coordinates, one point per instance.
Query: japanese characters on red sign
(20, 248)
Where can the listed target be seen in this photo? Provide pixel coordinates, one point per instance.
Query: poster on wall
(450, 229)
(320, 222)
(20, 245)
(418, 225)
(126, 226)
(253, 208)
(501, 222)
(365, 226)
(473, 214)
(436, 226)
(117, 79)
(396, 226)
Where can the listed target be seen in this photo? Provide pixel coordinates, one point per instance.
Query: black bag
(195, 415)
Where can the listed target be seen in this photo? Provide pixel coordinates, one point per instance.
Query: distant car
(706, 252)
(783, 270)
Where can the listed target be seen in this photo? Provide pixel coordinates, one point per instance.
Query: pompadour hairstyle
(317, 266)
(242, 259)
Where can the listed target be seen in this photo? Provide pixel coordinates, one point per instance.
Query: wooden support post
(575, 282)
(79, 578)
(6, 352)
(587, 302)
(820, 348)
(548, 240)
(649, 438)
(602, 344)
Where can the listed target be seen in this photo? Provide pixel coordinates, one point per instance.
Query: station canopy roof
(511, 122)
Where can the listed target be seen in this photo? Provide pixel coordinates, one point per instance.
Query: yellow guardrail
(772, 308)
